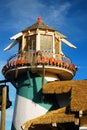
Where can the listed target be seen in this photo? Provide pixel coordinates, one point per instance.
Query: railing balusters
(38, 58)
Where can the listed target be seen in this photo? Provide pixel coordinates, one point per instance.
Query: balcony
(37, 59)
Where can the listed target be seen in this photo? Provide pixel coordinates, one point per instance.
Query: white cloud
(61, 10)
(57, 14)
(24, 8)
(22, 13)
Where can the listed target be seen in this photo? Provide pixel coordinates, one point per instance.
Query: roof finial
(39, 19)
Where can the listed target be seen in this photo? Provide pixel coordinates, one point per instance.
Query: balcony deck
(34, 61)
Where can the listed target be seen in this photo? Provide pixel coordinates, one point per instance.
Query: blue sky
(67, 16)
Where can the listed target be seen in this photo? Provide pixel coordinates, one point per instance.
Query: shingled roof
(39, 25)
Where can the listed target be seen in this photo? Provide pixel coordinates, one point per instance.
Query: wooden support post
(43, 75)
(59, 48)
(24, 45)
(3, 109)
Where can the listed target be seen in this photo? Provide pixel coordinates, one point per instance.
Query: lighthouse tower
(39, 60)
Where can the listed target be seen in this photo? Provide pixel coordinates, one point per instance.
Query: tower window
(46, 43)
(31, 43)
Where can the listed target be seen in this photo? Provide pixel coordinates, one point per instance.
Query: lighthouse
(39, 60)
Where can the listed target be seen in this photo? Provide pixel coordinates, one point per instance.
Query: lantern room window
(46, 42)
(31, 43)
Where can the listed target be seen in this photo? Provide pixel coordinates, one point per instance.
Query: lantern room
(37, 37)
(40, 45)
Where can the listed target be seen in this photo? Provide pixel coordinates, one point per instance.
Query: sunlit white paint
(25, 110)
(68, 43)
(16, 36)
